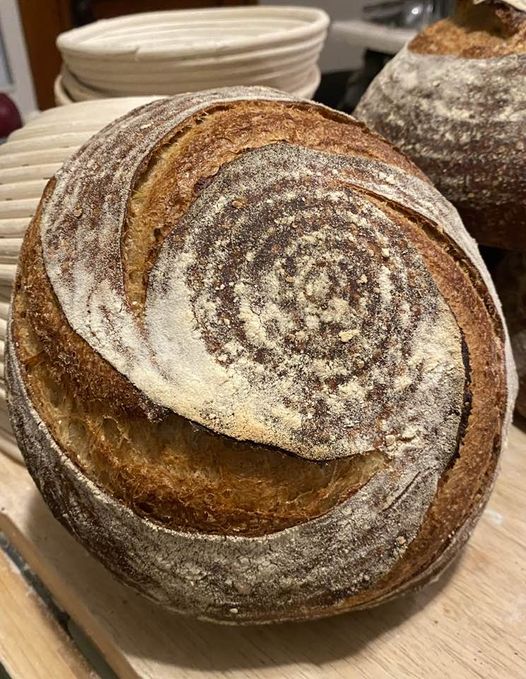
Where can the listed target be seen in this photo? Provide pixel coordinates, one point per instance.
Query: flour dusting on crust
(462, 121)
(227, 340)
(289, 307)
(232, 577)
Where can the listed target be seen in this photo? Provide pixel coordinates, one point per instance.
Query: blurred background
(362, 36)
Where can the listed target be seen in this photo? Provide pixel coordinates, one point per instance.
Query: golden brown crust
(482, 31)
(377, 521)
(70, 355)
(203, 144)
(173, 472)
(464, 485)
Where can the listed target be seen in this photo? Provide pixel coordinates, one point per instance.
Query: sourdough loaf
(454, 100)
(28, 159)
(255, 363)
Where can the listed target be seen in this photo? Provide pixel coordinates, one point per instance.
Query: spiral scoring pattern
(310, 307)
(357, 338)
(292, 306)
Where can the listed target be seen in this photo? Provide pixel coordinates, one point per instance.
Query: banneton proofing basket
(239, 63)
(166, 53)
(190, 33)
(62, 98)
(195, 77)
(68, 89)
(28, 159)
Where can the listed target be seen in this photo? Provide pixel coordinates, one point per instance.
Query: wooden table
(471, 623)
(31, 640)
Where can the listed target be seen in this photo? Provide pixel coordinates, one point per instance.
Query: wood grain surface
(32, 645)
(471, 623)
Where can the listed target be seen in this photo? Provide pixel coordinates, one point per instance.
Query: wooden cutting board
(30, 638)
(471, 623)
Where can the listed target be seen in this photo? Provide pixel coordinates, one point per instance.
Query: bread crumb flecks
(347, 335)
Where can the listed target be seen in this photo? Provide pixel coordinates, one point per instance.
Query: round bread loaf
(510, 281)
(454, 100)
(255, 363)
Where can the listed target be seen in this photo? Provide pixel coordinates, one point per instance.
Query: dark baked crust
(248, 532)
(482, 31)
(474, 465)
(165, 201)
(454, 102)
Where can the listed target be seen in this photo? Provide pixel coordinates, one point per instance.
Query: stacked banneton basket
(28, 160)
(166, 53)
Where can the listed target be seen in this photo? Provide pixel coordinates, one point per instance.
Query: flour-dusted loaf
(510, 280)
(255, 363)
(454, 100)
(28, 159)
